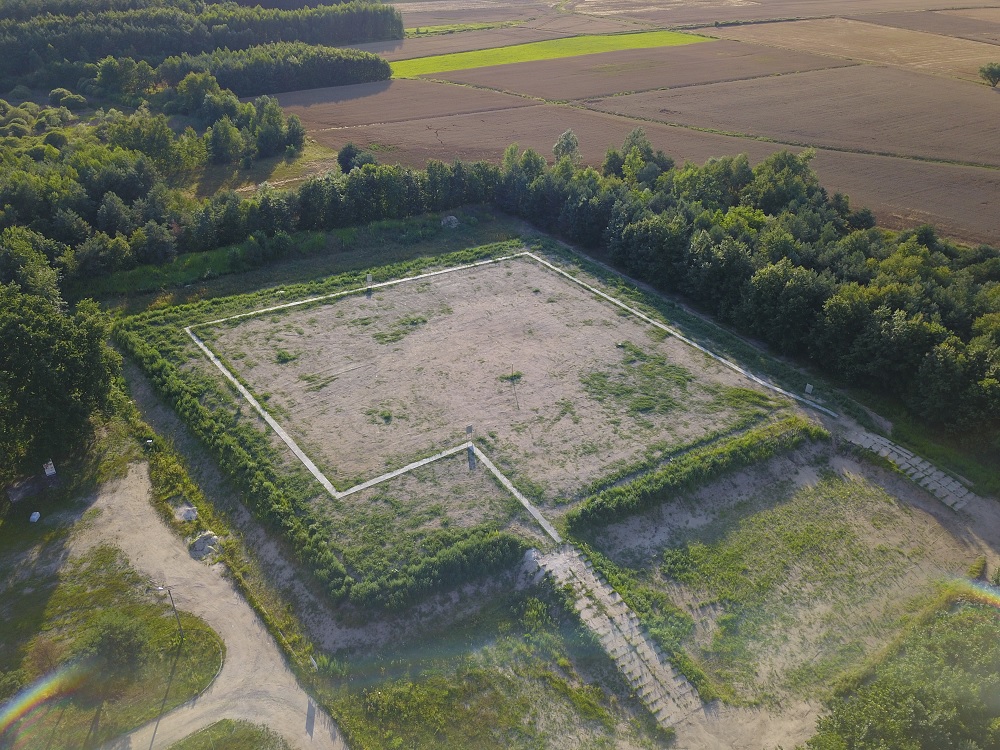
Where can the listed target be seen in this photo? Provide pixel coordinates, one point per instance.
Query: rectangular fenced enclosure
(563, 387)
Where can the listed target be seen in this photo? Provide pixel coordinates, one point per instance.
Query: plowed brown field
(862, 108)
(390, 101)
(941, 23)
(641, 70)
(537, 27)
(706, 12)
(868, 42)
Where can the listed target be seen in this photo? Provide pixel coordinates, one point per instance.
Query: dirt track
(254, 684)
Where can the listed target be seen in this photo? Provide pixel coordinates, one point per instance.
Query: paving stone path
(944, 487)
(664, 691)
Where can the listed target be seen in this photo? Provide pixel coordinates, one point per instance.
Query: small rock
(203, 545)
(450, 222)
(185, 512)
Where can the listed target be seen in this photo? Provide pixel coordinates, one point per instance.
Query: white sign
(50, 468)
(34, 517)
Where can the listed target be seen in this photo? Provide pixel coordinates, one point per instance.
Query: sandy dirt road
(255, 684)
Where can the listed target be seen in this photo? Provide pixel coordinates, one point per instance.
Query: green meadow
(552, 49)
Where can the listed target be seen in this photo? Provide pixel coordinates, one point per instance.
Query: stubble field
(861, 108)
(872, 43)
(888, 95)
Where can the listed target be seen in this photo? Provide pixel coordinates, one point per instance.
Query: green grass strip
(552, 49)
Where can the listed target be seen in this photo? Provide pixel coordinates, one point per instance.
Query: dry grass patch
(792, 573)
(857, 40)
(366, 385)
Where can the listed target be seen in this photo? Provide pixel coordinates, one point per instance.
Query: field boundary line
(285, 437)
(673, 332)
(356, 290)
(528, 505)
(399, 472)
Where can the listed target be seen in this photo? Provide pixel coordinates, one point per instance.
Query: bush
(116, 644)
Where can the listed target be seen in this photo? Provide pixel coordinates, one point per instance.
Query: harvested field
(795, 571)
(532, 29)
(537, 126)
(390, 101)
(569, 47)
(987, 15)
(869, 42)
(370, 384)
(941, 23)
(862, 108)
(962, 201)
(641, 70)
(707, 12)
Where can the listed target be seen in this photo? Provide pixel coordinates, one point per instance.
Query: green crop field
(548, 50)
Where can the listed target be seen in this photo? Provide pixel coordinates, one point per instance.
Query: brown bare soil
(545, 25)
(869, 42)
(485, 135)
(988, 15)
(943, 23)
(390, 101)
(377, 383)
(862, 108)
(962, 201)
(641, 70)
(703, 12)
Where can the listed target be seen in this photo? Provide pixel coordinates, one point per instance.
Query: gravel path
(254, 684)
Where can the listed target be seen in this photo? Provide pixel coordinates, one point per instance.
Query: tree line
(762, 248)
(23, 9)
(283, 66)
(52, 49)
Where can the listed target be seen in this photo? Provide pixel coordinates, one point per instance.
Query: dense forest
(50, 50)
(271, 68)
(22, 10)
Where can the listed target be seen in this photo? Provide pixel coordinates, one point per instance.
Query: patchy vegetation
(233, 735)
(938, 689)
(98, 614)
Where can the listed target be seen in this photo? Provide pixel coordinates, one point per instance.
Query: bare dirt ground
(942, 23)
(390, 101)
(376, 383)
(254, 683)
(988, 15)
(962, 201)
(537, 28)
(703, 12)
(862, 108)
(641, 70)
(869, 42)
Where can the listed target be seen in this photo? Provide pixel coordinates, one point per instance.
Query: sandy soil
(869, 42)
(445, 373)
(254, 684)
(641, 70)
(862, 108)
